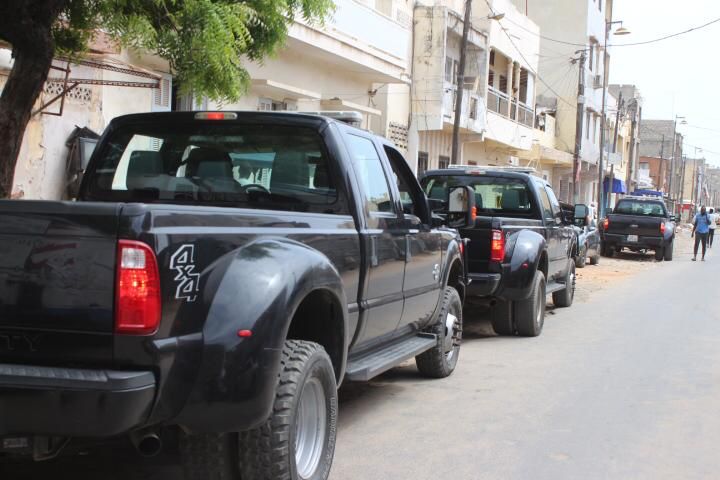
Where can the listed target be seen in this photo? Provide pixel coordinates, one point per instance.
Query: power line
(646, 42)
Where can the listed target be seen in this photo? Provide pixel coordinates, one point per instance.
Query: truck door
(423, 248)
(383, 240)
(553, 233)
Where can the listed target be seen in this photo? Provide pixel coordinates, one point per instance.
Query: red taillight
(662, 228)
(606, 224)
(137, 289)
(497, 246)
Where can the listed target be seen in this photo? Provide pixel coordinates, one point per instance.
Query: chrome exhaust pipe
(147, 444)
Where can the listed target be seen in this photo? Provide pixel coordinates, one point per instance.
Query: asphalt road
(625, 385)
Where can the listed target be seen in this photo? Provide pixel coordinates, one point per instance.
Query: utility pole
(579, 127)
(672, 164)
(460, 85)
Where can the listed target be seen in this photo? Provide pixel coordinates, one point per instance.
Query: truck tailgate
(644, 226)
(57, 268)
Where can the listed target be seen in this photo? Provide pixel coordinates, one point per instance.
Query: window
(639, 207)
(473, 108)
(503, 87)
(443, 161)
(422, 163)
(451, 68)
(553, 201)
(494, 195)
(270, 105)
(220, 163)
(372, 176)
(587, 125)
(591, 56)
(411, 198)
(546, 205)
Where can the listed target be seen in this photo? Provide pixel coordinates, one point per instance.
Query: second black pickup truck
(219, 276)
(639, 224)
(522, 245)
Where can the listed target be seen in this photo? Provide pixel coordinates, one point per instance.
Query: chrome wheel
(453, 336)
(310, 428)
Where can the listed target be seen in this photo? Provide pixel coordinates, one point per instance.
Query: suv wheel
(296, 442)
(530, 313)
(440, 361)
(564, 298)
(581, 259)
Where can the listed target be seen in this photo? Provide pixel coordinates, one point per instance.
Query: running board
(373, 362)
(554, 287)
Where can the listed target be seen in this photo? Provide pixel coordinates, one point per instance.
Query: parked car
(639, 224)
(219, 276)
(521, 244)
(587, 233)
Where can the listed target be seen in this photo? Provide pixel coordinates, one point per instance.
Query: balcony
(358, 38)
(501, 103)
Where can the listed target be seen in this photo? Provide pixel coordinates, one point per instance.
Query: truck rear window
(493, 195)
(642, 208)
(275, 167)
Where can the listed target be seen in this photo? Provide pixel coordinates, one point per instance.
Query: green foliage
(205, 41)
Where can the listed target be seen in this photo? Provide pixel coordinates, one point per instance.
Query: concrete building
(110, 82)
(661, 139)
(358, 61)
(580, 22)
(499, 95)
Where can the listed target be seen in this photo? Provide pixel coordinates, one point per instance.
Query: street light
(601, 164)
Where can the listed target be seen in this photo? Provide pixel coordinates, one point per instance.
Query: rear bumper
(483, 284)
(618, 240)
(73, 402)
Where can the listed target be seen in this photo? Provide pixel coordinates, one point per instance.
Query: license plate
(632, 238)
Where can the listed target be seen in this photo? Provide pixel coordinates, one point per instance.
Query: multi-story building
(359, 61)
(499, 85)
(581, 24)
(661, 139)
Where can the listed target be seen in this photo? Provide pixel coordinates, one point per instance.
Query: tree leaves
(205, 41)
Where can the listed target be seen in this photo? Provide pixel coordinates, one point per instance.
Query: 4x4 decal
(188, 281)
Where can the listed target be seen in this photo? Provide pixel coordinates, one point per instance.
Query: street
(622, 385)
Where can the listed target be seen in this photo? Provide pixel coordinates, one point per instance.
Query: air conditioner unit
(597, 81)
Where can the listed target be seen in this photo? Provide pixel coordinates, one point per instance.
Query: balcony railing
(498, 102)
(501, 103)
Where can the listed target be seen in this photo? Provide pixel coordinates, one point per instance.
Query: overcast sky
(679, 76)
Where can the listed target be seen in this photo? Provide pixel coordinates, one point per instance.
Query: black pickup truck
(219, 276)
(639, 224)
(521, 244)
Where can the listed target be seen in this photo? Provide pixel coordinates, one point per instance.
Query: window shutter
(161, 96)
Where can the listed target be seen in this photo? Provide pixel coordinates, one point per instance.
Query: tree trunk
(27, 26)
(23, 87)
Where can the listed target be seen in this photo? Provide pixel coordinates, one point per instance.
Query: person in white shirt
(713, 224)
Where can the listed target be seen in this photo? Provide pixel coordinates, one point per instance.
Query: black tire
(502, 318)
(581, 259)
(660, 254)
(268, 452)
(607, 251)
(211, 456)
(564, 298)
(530, 313)
(441, 360)
(669, 250)
(595, 259)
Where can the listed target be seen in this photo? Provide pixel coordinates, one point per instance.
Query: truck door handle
(373, 252)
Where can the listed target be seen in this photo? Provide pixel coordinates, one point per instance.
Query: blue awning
(651, 193)
(618, 185)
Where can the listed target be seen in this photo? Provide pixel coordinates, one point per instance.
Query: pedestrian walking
(701, 227)
(713, 224)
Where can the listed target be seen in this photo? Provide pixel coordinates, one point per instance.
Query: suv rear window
(640, 207)
(493, 195)
(244, 165)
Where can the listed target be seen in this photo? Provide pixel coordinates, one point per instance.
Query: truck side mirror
(461, 207)
(582, 212)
